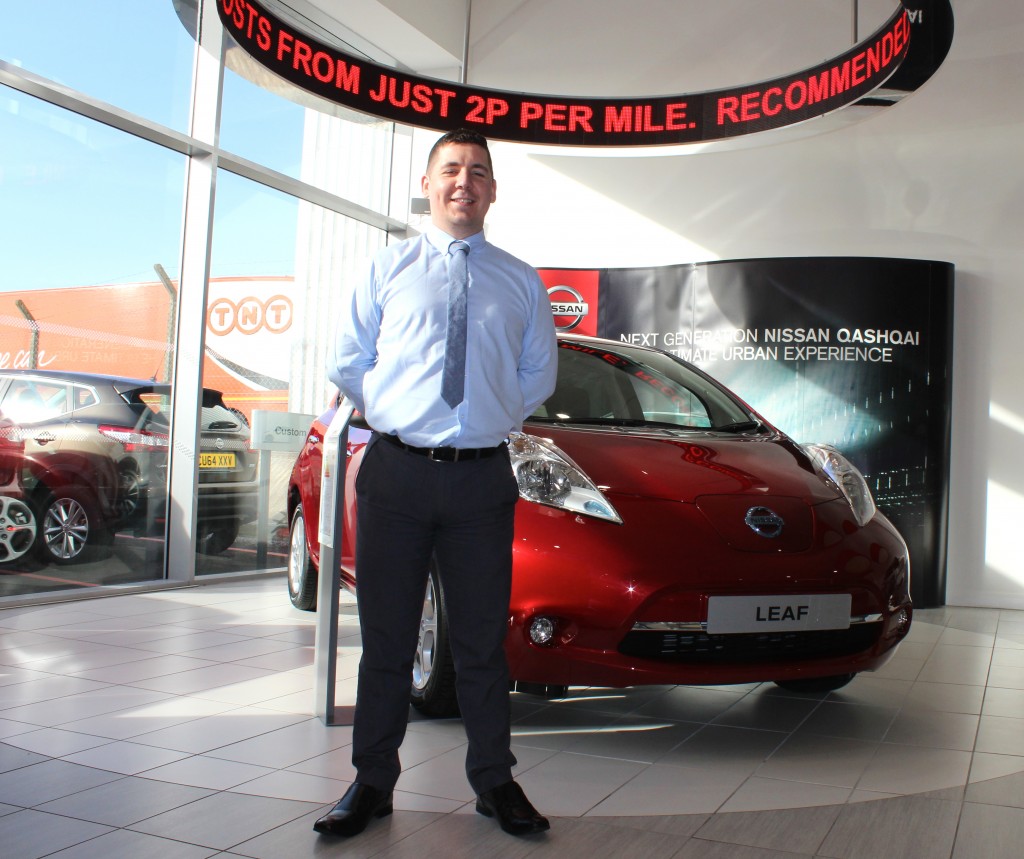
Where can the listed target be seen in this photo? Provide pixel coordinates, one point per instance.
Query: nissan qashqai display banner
(849, 351)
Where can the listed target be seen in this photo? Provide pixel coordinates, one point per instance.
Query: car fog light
(542, 631)
(902, 619)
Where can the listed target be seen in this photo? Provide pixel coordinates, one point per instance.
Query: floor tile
(144, 669)
(763, 794)
(1001, 735)
(920, 727)
(200, 771)
(914, 769)
(13, 758)
(571, 785)
(125, 758)
(798, 831)
(996, 780)
(989, 831)
(849, 721)
(908, 827)
(32, 834)
(957, 664)
(207, 691)
(223, 820)
(70, 709)
(223, 729)
(819, 760)
(124, 844)
(726, 748)
(55, 743)
(125, 801)
(668, 789)
(289, 745)
(50, 779)
(946, 697)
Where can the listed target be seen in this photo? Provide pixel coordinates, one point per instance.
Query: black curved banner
(567, 120)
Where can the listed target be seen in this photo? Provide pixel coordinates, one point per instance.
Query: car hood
(725, 476)
(683, 466)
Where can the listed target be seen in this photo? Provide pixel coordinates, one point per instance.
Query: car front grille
(699, 647)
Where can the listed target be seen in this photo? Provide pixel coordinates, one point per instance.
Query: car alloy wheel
(433, 670)
(17, 528)
(129, 494)
(69, 525)
(302, 575)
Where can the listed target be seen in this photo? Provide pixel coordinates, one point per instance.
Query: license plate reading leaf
(778, 613)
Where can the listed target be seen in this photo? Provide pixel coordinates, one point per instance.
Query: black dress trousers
(410, 509)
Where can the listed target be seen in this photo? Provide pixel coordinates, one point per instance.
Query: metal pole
(172, 318)
(34, 343)
(465, 43)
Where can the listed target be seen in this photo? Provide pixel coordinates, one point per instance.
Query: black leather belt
(444, 454)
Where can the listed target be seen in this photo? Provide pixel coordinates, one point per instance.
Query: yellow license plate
(216, 460)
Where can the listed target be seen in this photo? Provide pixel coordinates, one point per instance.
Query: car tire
(215, 538)
(18, 529)
(816, 684)
(303, 579)
(129, 494)
(433, 673)
(70, 529)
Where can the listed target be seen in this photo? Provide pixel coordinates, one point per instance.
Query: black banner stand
(332, 511)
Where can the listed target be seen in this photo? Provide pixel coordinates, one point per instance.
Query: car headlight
(845, 475)
(546, 475)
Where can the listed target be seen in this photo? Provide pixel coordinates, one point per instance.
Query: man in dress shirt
(436, 481)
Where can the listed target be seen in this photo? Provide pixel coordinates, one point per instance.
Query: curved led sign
(644, 121)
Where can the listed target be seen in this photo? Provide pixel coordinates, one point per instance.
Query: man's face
(460, 187)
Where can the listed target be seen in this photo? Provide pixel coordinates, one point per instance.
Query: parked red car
(666, 534)
(93, 460)
(17, 519)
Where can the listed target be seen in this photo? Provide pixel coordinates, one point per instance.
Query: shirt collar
(441, 240)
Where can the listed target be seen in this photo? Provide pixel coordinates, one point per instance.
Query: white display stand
(330, 528)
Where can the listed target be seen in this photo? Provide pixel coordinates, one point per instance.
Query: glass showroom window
(277, 267)
(322, 144)
(91, 228)
(134, 54)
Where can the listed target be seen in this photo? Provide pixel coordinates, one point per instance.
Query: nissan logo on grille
(764, 522)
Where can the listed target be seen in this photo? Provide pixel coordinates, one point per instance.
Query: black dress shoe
(509, 804)
(354, 810)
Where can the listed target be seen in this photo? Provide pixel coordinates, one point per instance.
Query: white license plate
(778, 613)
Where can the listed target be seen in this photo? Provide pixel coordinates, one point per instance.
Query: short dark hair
(460, 135)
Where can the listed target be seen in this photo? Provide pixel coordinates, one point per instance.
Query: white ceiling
(593, 47)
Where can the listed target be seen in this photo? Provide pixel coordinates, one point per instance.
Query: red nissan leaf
(665, 534)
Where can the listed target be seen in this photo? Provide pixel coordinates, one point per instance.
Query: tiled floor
(178, 724)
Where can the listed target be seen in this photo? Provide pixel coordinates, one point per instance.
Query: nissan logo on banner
(567, 306)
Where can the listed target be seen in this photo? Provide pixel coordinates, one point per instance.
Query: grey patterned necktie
(453, 377)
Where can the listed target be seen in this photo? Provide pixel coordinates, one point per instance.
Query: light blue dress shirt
(389, 347)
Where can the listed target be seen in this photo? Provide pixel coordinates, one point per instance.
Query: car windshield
(624, 386)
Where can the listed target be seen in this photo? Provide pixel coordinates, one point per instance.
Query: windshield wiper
(739, 426)
(618, 422)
